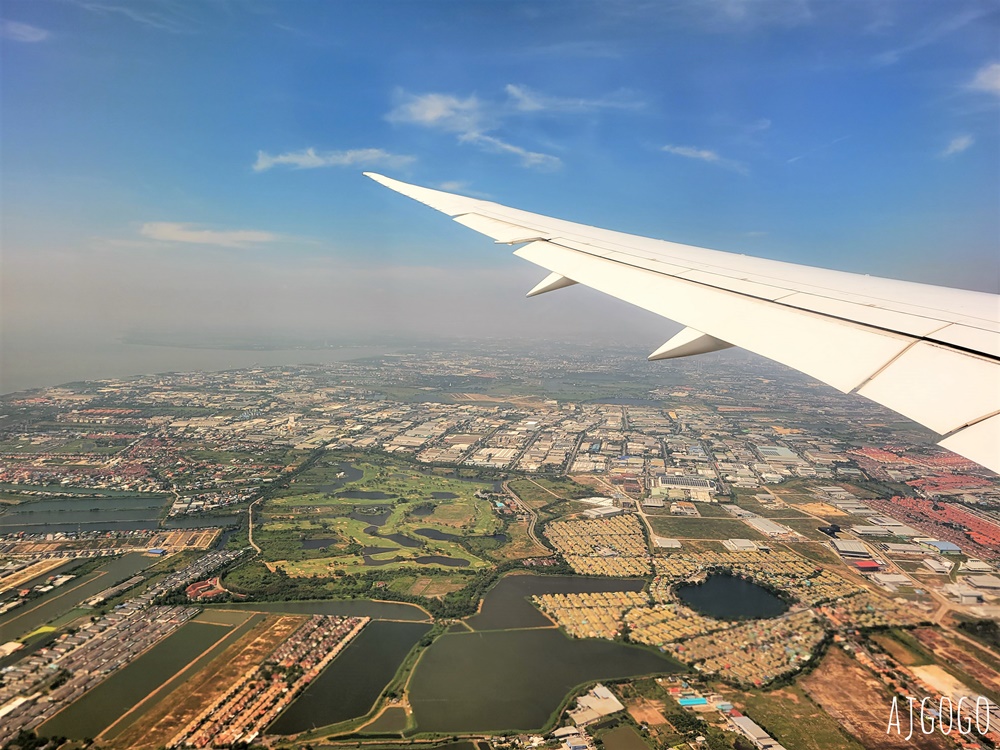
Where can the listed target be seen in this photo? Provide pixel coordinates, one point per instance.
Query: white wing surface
(930, 353)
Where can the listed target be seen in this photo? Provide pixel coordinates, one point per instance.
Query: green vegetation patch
(791, 717)
(702, 528)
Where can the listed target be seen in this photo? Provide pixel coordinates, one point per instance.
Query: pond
(727, 597)
(376, 516)
(438, 536)
(349, 474)
(364, 495)
(354, 680)
(443, 495)
(372, 562)
(400, 539)
(451, 562)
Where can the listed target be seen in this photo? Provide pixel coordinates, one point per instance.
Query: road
(250, 524)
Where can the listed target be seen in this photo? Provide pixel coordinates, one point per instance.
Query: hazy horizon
(197, 171)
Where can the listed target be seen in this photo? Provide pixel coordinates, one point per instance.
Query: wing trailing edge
(927, 352)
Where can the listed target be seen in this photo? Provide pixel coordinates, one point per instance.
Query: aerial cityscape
(683, 434)
(487, 544)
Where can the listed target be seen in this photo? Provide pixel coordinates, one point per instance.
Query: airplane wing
(930, 353)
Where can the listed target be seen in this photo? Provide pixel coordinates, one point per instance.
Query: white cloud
(167, 231)
(525, 99)
(704, 154)
(958, 144)
(310, 159)
(22, 32)
(441, 111)
(987, 79)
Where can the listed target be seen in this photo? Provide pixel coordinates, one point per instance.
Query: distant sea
(33, 366)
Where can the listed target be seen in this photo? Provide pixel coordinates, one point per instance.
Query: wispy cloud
(753, 13)
(16, 31)
(531, 159)
(706, 155)
(811, 151)
(987, 79)
(155, 14)
(480, 122)
(166, 231)
(311, 159)
(471, 119)
(524, 99)
(957, 145)
(930, 35)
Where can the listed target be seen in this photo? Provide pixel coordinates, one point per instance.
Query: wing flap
(980, 442)
(785, 335)
(941, 388)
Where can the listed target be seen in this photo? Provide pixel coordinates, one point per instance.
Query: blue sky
(196, 166)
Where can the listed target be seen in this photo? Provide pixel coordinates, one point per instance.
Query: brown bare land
(821, 509)
(435, 587)
(864, 709)
(159, 725)
(648, 712)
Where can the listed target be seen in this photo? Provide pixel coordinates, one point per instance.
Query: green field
(792, 718)
(682, 527)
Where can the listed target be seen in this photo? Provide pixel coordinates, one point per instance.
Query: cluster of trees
(988, 631)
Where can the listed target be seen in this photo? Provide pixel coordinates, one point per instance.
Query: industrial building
(851, 549)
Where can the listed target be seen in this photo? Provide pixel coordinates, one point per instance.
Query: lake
(508, 605)
(514, 679)
(727, 597)
(354, 680)
(70, 514)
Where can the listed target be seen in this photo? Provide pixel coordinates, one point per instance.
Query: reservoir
(514, 679)
(727, 597)
(354, 680)
(508, 604)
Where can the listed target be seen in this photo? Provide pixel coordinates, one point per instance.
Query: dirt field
(952, 652)
(821, 509)
(648, 712)
(864, 709)
(435, 587)
(896, 650)
(163, 722)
